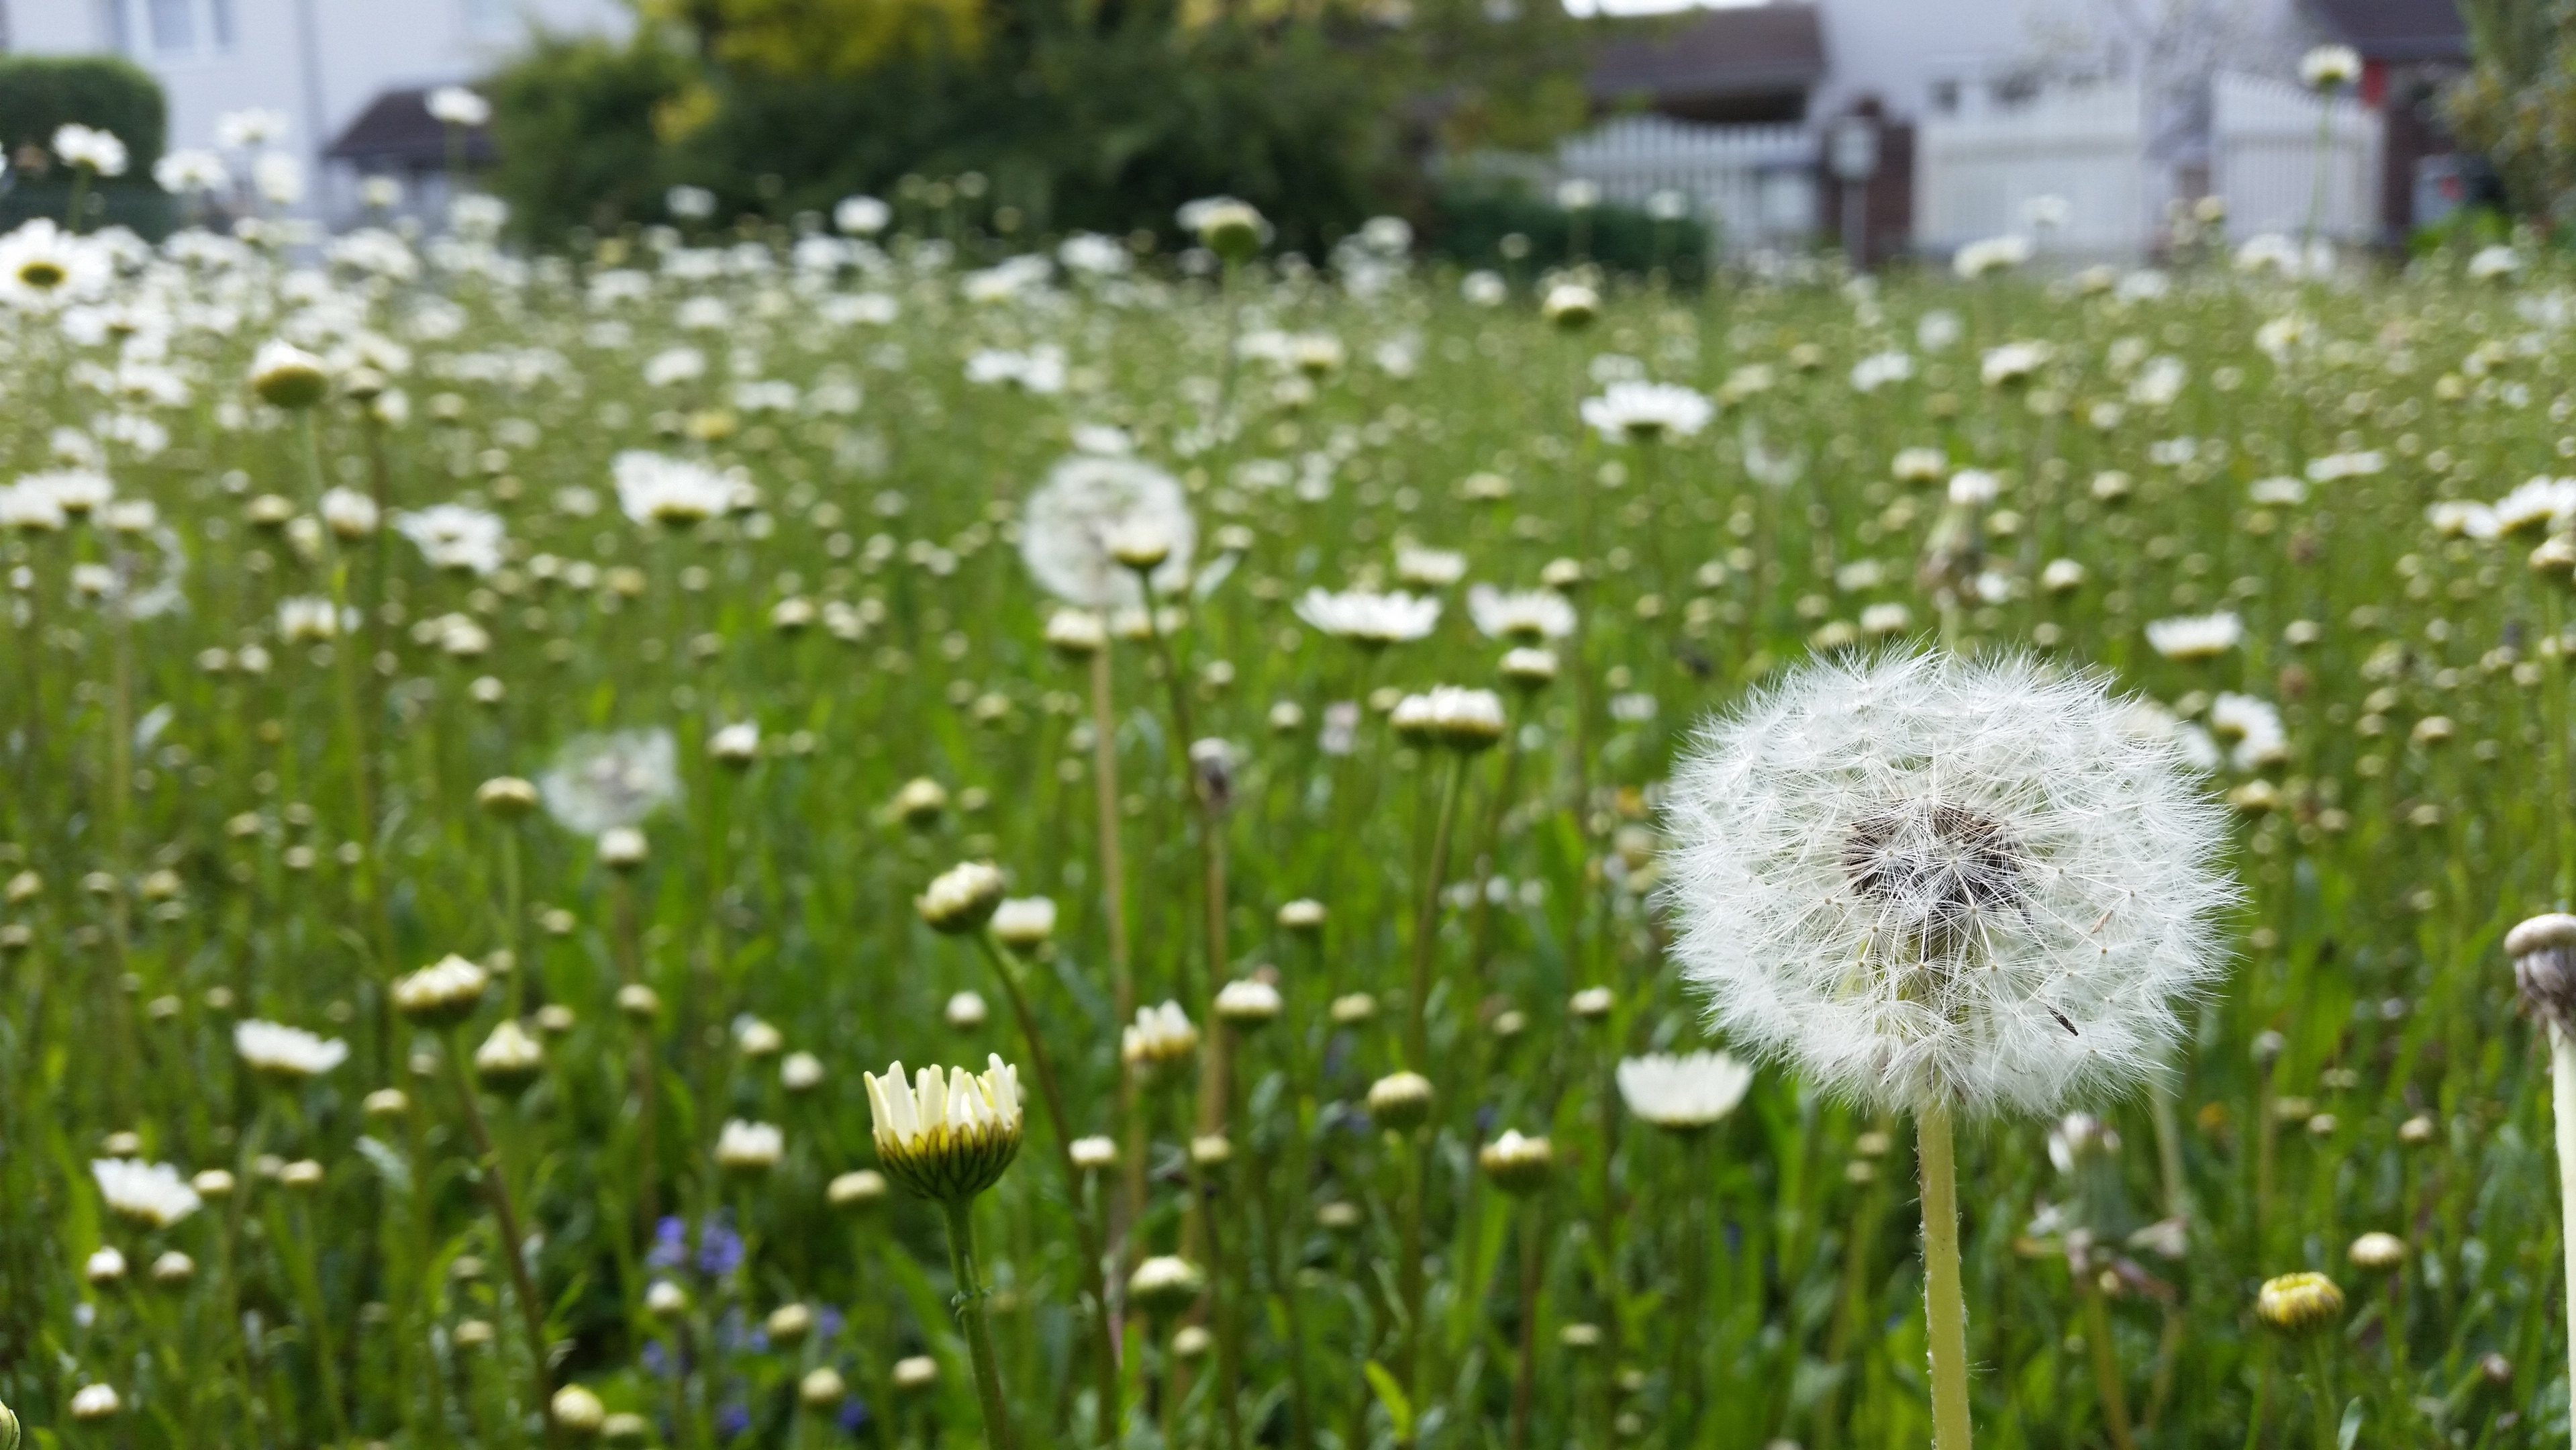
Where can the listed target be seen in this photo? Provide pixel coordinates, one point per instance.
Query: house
(2410, 50)
(323, 64)
(2119, 108)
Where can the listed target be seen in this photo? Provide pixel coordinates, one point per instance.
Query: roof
(397, 132)
(2396, 30)
(1754, 49)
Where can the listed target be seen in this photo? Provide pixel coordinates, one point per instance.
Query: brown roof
(396, 132)
(2398, 30)
(1754, 49)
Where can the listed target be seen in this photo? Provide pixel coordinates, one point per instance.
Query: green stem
(1105, 1350)
(971, 1318)
(1426, 924)
(2562, 1090)
(505, 1218)
(2106, 1363)
(1945, 1310)
(2321, 1393)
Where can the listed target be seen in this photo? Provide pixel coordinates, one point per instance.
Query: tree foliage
(2518, 102)
(1098, 114)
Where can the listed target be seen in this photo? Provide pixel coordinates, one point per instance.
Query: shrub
(39, 93)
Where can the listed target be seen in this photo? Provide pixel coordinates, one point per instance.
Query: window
(175, 29)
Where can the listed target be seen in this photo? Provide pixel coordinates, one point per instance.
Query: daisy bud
(1210, 1150)
(442, 994)
(1518, 1165)
(822, 1388)
(2299, 1304)
(173, 1269)
(916, 1373)
(639, 1002)
(947, 1138)
(1570, 306)
(966, 1011)
(2377, 1252)
(666, 1300)
(851, 1192)
(579, 1411)
(756, 1039)
(1024, 923)
(107, 1266)
(2543, 951)
(802, 1072)
(509, 1059)
(622, 848)
(743, 1147)
(1076, 633)
(626, 1428)
(789, 1323)
(1093, 1154)
(286, 376)
(1352, 1008)
(1141, 544)
(1529, 668)
(1400, 1101)
(1159, 1037)
(962, 898)
(736, 745)
(303, 1175)
(1302, 915)
(555, 1019)
(9, 1433)
(1192, 1341)
(1591, 1004)
(920, 802)
(1165, 1285)
(1247, 1004)
(94, 1402)
(212, 1183)
(474, 1334)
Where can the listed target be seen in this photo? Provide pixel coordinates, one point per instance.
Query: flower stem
(1524, 1381)
(969, 1304)
(1087, 1241)
(2321, 1393)
(2106, 1363)
(1945, 1311)
(2562, 1089)
(505, 1217)
(1426, 925)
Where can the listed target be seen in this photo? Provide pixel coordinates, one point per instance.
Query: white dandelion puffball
(1924, 880)
(1079, 516)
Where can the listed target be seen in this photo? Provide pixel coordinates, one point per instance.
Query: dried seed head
(2543, 951)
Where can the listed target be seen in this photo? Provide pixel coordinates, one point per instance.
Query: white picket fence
(1977, 176)
(2266, 160)
(1756, 185)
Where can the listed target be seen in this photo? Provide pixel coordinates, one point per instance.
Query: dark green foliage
(573, 119)
(1471, 221)
(1106, 122)
(41, 92)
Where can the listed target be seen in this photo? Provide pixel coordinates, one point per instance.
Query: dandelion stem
(1945, 1310)
(971, 1318)
(1122, 974)
(2562, 1095)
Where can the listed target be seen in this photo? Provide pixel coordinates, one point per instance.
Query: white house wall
(317, 62)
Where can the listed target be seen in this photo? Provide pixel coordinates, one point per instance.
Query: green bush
(40, 93)
(1470, 223)
(573, 121)
(1106, 125)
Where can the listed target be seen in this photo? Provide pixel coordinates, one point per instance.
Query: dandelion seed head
(1918, 879)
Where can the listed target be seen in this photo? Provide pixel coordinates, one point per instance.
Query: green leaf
(1399, 1405)
(2350, 1430)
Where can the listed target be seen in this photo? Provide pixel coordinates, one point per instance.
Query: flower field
(502, 752)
